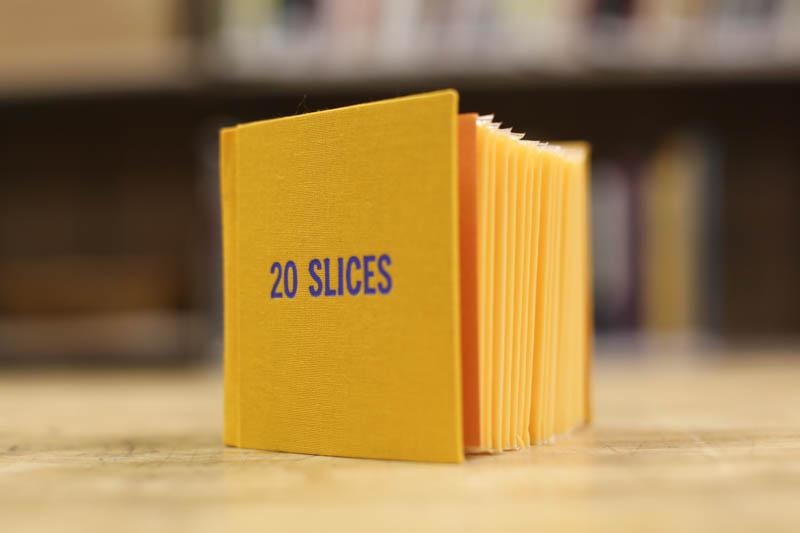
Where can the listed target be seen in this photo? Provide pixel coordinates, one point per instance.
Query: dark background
(109, 112)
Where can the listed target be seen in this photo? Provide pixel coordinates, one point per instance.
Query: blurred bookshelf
(50, 49)
(563, 41)
(109, 113)
(161, 45)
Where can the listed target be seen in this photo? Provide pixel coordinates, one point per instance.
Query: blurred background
(109, 112)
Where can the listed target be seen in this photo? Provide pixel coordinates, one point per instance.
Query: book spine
(232, 426)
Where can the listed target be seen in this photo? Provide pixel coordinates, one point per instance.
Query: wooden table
(679, 443)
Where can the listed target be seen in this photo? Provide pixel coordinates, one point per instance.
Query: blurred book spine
(677, 243)
(658, 239)
(615, 242)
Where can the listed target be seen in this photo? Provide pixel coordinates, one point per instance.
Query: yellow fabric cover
(365, 375)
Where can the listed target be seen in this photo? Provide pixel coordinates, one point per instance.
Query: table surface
(678, 443)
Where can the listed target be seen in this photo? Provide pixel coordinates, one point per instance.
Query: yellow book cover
(342, 281)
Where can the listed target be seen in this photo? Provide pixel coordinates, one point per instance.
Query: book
(681, 260)
(616, 225)
(403, 282)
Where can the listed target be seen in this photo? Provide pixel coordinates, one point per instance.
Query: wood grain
(679, 444)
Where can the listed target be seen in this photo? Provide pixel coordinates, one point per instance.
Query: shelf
(102, 77)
